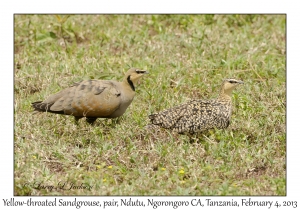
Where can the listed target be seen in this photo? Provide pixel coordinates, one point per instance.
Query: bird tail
(152, 117)
(155, 119)
(39, 106)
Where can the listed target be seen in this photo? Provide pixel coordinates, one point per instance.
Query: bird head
(133, 75)
(229, 84)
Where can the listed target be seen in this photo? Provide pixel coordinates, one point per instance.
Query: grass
(188, 56)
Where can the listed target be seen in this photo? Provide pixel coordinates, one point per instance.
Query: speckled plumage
(199, 115)
(93, 98)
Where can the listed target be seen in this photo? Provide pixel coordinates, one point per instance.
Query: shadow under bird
(93, 98)
(197, 116)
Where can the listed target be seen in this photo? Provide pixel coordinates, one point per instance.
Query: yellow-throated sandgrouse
(93, 98)
(199, 115)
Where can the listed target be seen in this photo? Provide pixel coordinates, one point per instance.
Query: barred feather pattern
(194, 116)
(199, 115)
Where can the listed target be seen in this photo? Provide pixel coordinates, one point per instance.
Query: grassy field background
(187, 56)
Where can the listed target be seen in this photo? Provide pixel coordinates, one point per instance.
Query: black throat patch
(130, 83)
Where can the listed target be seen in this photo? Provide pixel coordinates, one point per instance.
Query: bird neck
(225, 94)
(131, 84)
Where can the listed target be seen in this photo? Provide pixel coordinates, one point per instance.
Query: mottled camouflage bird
(93, 98)
(196, 116)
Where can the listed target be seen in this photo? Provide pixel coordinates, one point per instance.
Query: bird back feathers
(194, 116)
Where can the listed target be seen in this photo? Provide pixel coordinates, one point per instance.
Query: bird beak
(240, 82)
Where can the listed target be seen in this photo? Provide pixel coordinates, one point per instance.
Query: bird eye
(139, 72)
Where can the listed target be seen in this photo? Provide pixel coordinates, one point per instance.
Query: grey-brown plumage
(93, 98)
(199, 115)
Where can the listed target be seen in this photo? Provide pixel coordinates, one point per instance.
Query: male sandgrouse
(93, 98)
(196, 116)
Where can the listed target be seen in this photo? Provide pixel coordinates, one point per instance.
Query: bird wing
(202, 115)
(193, 116)
(91, 98)
(47, 105)
(169, 117)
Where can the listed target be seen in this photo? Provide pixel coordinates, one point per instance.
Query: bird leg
(115, 121)
(192, 138)
(76, 119)
(91, 120)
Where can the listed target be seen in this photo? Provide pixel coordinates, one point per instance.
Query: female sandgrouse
(199, 115)
(93, 98)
